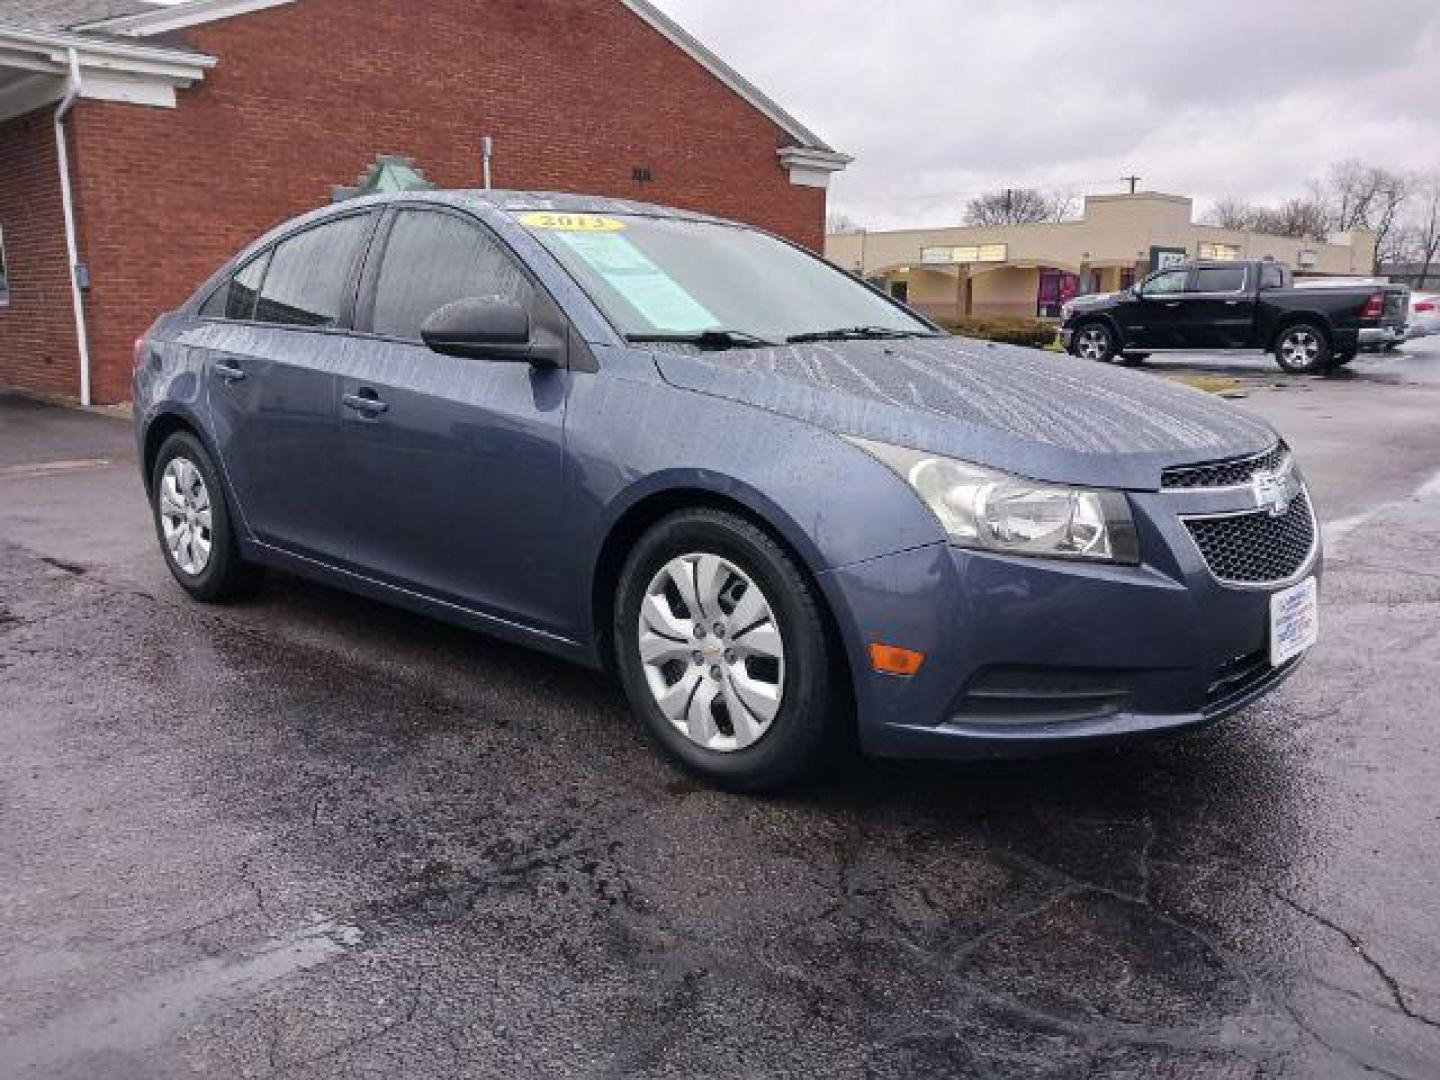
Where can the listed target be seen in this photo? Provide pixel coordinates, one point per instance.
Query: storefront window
(1219, 252)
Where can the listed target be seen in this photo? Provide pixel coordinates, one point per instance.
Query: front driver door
(1158, 311)
(453, 467)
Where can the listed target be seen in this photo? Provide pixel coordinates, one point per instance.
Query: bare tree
(1300, 217)
(837, 221)
(1019, 206)
(1360, 196)
(1423, 232)
(1231, 212)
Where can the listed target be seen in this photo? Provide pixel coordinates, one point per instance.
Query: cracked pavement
(310, 836)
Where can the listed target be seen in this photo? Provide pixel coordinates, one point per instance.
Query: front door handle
(1173, 303)
(365, 401)
(229, 373)
(1231, 303)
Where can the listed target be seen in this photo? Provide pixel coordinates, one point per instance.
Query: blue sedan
(781, 506)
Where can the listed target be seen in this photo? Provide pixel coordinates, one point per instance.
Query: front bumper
(1028, 656)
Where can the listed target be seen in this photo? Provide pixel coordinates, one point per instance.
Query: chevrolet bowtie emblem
(1274, 491)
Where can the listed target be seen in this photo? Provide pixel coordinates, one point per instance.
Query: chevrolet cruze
(781, 506)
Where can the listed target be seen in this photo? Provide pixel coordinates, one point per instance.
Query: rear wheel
(1302, 349)
(723, 651)
(193, 523)
(1093, 341)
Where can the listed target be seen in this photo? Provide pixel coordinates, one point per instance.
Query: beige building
(1029, 270)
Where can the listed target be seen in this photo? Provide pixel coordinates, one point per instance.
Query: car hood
(1048, 416)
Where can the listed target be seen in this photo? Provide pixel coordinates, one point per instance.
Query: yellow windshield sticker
(572, 222)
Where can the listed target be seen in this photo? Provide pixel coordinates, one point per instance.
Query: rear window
(308, 275)
(1271, 276)
(1220, 279)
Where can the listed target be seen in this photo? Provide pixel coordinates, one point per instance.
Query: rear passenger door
(270, 345)
(453, 466)
(1218, 309)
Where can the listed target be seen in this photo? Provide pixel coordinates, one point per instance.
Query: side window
(235, 299)
(1220, 279)
(433, 258)
(1271, 276)
(305, 285)
(1172, 281)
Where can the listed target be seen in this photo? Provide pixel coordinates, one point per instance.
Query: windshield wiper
(855, 333)
(707, 339)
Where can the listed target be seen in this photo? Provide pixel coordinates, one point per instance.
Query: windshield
(714, 285)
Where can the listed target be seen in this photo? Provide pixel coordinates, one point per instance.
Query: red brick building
(191, 128)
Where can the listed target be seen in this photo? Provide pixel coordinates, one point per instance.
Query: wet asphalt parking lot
(309, 836)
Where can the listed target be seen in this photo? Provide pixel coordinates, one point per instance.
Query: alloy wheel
(712, 652)
(185, 515)
(1299, 349)
(1093, 343)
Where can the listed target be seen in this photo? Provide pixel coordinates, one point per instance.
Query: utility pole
(1132, 181)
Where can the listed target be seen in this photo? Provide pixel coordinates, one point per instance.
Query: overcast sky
(941, 99)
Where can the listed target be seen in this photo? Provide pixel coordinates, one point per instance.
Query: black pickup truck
(1236, 305)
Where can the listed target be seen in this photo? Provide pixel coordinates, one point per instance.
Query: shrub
(1011, 331)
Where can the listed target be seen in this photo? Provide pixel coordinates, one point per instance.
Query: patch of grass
(1211, 384)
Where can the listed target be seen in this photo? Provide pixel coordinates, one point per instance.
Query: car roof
(508, 201)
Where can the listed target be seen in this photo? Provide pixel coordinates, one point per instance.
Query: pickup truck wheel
(1093, 341)
(1302, 350)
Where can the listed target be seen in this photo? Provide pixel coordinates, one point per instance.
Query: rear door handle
(1231, 303)
(229, 372)
(1173, 303)
(365, 401)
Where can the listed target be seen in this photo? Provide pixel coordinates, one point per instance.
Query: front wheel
(1302, 350)
(1093, 341)
(723, 651)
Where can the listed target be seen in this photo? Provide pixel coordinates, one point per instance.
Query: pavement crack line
(1358, 945)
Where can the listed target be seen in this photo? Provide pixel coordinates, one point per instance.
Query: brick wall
(576, 93)
(37, 335)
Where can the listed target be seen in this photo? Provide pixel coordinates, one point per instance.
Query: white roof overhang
(35, 69)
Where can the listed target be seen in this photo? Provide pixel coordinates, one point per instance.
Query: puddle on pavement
(156, 1009)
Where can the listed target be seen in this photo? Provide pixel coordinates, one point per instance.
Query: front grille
(1256, 548)
(1230, 473)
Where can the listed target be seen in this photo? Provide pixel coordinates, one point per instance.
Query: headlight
(995, 511)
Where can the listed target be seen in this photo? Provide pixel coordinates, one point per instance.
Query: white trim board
(177, 17)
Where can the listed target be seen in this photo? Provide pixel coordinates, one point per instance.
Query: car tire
(683, 678)
(1133, 359)
(194, 525)
(1302, 349)
(1093, 341)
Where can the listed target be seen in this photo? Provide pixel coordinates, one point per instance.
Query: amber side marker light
(893, 660)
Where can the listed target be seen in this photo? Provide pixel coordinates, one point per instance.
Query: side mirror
(488, 328)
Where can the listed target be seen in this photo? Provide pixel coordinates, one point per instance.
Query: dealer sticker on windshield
(1294, 621)
(556, 222)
